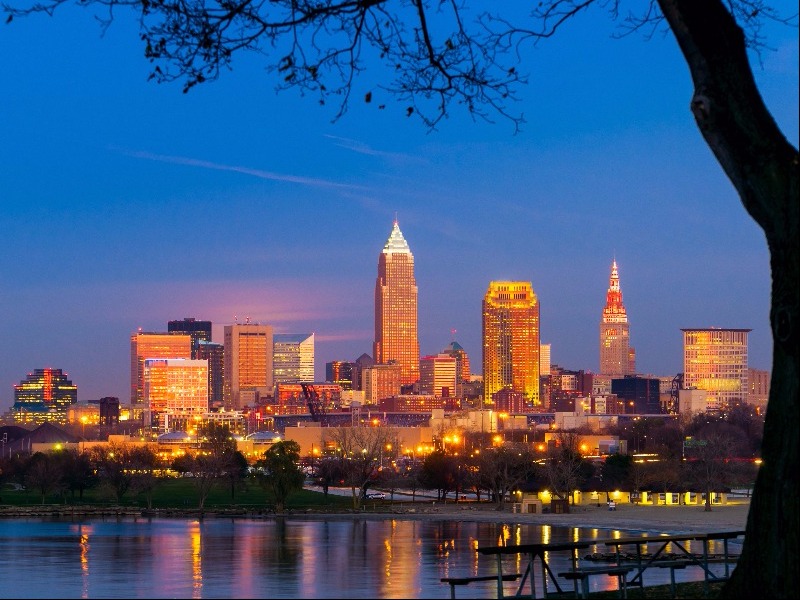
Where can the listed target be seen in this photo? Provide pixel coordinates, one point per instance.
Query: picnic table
(685, 558)
(534, 552)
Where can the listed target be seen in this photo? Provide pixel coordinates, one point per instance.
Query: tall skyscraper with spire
(511, 340)
(396, 308)
(617, 357)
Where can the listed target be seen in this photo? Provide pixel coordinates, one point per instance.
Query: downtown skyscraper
(511, 340)
(715, 360)
(396, 308)
(617, 358)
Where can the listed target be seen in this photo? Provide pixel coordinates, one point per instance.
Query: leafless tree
(503, 470)
(359, 449)
(564, 465)
(708, 464)
(44, 474)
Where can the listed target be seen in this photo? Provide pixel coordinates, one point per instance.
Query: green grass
(181, 493)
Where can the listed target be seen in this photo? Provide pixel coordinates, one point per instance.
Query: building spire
(396, 244)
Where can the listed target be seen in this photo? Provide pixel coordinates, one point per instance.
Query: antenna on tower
(395, 217)
(452, 335)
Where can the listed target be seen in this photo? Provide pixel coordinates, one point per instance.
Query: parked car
(376, 496)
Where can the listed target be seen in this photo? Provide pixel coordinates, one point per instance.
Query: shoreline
(627, 517)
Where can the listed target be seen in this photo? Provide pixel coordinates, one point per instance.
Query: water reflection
(275, 558)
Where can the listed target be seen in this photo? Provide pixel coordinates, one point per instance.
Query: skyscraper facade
(248, 364)
(154, 345)
(293, 357)
(44, 395)
(198, 330)
(715, 360)
(215, 355)
(511, 340)
(340, 372)
(176, 386)
(438, 375)
(463, 374)
(617, 358)
(396, 308)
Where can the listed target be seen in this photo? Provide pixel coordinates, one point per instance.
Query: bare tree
(359, 450)
(442, 53)
(708, 464)
(503, 470)
(114, 466)
(565, 468)
(44, 475)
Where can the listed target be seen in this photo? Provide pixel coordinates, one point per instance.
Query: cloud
(362, 148)
(268, 175)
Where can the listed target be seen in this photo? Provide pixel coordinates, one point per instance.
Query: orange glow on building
(715, 360)
(617, 358)
(154, 345)
(511, 340)
(396, 308)
(248, 364)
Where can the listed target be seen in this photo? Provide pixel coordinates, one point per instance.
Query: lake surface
(272, 558)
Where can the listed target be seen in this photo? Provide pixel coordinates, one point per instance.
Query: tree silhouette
(280, 471)
(442, 54)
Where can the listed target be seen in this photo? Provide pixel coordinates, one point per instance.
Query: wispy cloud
(261, 174)
(362, 148)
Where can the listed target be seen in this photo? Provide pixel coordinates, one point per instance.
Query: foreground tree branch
(442, 54)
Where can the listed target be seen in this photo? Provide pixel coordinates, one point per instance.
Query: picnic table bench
(536, 551)
(584, 573)
(684, 559)
(455, 581)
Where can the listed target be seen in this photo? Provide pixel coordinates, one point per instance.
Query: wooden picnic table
(535, 551)
(686, 558)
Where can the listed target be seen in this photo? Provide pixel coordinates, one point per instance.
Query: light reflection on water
(272, 558)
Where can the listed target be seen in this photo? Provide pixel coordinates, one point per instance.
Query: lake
(294, 557)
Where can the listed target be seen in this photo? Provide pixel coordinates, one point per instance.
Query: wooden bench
(682, 563)
(454, 581)
(583, 575)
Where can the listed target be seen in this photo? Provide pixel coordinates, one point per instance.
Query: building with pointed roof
(617, 357)
(396, 308)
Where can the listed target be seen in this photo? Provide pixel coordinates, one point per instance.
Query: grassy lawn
(178, 493)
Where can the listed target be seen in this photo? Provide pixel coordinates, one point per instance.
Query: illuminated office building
(200, 331)
(715, 360)
(438, 375)
(176, 387)
(511, 340)
(154, 345)
(758, 381)
(293, 357)
(215, 355)
(248, 364)
(457, 351)
(44, 395)
(381, 381)
(617, 358)
(341, 373)
(396, 308)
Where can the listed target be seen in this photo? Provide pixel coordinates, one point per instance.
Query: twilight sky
(124, 204)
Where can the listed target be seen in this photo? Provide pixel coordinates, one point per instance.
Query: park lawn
(180, 493)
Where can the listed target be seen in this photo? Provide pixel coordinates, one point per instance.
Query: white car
(376, 496)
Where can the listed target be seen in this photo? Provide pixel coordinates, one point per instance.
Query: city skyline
(127, 204)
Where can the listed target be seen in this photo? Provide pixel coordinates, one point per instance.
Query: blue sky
(126, 204)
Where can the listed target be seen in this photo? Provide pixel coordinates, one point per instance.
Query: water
(271, 558)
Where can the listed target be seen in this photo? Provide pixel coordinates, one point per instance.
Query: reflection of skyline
(251, 558)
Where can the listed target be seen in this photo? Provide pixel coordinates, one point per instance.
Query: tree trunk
(763, 168)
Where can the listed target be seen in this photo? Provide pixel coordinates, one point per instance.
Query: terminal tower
(617, 357)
